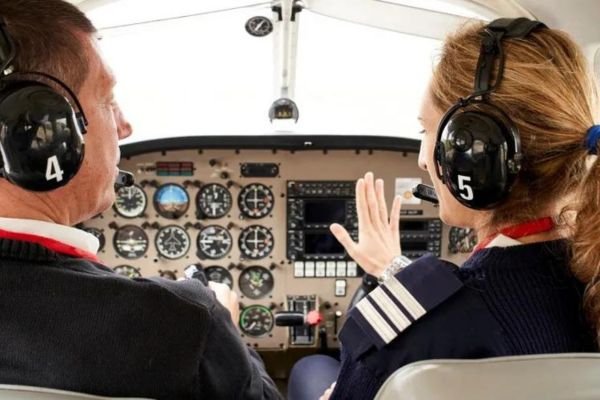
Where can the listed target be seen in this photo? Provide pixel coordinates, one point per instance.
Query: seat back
(573, 376)
(16, 392)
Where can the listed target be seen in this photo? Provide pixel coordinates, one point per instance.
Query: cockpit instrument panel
(254, 213)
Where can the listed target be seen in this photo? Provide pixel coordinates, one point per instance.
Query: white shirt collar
(61, 233)
(503, 241)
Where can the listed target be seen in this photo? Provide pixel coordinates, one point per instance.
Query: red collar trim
(526, 228)
(51, 244)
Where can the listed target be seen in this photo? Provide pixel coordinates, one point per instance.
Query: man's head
(54, 37)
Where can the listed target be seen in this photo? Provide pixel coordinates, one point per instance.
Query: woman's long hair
(551, 97)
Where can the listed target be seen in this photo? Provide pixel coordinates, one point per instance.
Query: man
(66, 320)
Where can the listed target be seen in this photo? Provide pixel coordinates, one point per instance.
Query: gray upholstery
(14, 392)
(542, 377)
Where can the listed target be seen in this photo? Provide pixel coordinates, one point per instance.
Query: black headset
(478, 150)
(41, 132)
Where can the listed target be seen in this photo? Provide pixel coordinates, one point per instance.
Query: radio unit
(311, 207)
(418, 237)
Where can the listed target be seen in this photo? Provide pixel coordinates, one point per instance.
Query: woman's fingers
(342, 236)
(380, 192)
(373, 204)
(362, 209)
(395, 218)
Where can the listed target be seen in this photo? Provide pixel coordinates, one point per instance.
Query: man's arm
(228, 368)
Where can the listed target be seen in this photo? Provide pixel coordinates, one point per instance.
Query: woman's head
(551, 97)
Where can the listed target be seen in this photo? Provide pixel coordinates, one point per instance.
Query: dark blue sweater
(515, 300)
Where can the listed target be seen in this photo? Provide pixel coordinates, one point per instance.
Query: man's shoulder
(190, 291)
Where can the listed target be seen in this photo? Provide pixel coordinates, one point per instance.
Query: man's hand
(378, 234)
(228, 298)
(327, 393)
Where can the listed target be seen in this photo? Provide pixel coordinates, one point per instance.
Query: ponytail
(585, 244)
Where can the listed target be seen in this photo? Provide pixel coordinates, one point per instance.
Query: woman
(535, 270)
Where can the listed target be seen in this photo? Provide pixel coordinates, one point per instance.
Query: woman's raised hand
(378, 233)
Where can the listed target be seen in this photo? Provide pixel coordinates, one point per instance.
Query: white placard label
(403, 188)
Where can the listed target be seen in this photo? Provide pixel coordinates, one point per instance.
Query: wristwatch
(398, 263)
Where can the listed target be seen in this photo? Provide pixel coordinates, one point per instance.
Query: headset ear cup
(476, 166)
(40, 137)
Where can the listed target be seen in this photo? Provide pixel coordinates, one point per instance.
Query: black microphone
(425, 192)
(124, 179)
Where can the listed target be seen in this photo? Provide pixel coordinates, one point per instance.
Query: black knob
(224, 175)
(113, 225)
(213, 161)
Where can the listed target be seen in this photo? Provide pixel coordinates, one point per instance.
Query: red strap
(50, 244)
(526, 228)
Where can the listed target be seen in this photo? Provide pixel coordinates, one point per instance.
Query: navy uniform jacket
(72, 324)
(503, 301)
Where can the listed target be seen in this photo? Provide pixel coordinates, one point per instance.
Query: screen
(321, 243)
(413, 246)
(324, 211)
(413, 226)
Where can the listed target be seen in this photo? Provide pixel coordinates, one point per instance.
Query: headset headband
(7, 73)
(491, 47)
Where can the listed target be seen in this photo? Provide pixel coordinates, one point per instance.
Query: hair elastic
(592, 138)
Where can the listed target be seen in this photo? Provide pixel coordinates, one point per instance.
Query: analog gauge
(130, 241)
(461, 240)
(256, 282)
(213, 201)
(256, 242)
(99, 235)
(171, 200)
(219, 274)
(214, 242)
(172, 242)
(259, 26)
(256, 320)
(128, 271)
(256, 200)
(130, 201)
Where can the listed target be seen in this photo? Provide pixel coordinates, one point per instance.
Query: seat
(16, 392)
(573, 376)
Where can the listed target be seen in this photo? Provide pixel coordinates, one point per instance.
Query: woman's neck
(485, 232)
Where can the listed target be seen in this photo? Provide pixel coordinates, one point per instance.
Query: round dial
(213, 200)
(130, 201)
(130, 241)
(171, 200)
(256, 320)
(259, 26)
(172, 242)
(256, 242)
(214, 242)
(99, 235)
(256, 200)
(219, 274)
(256, 282)
(461, 240)
(128, 271)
